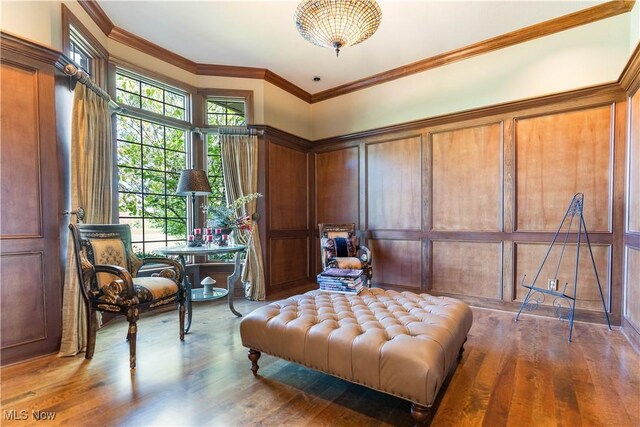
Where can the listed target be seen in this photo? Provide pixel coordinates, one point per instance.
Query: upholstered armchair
(107, 271)
(340, 248)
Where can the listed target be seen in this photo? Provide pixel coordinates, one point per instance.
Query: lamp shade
(193, 182)
(337, 23)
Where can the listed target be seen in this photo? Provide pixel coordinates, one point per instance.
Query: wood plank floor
(512, 374)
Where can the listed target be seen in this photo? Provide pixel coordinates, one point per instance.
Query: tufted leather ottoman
(398, 343)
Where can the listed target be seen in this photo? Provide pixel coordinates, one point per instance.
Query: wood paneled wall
(468, 205)
(32, 199)
(631, 264)
(286, 184)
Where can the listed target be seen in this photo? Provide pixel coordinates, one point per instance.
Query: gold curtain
(240, 169)
(92, 189)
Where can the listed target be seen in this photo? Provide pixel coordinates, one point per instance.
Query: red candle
(209, 237)
(197, 231)
(190, 238)
(207, 231)
(218, 230)
(225, 236)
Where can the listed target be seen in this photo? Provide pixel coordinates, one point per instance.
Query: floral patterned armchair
(340, 248)
(107, 270)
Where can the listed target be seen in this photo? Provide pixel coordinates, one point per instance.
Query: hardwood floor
(512, 373)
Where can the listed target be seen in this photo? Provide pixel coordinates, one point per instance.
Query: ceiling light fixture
(337, 23)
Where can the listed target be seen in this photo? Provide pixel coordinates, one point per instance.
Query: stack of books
(341, 280)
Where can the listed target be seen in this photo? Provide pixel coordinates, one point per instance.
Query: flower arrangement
(225, 216)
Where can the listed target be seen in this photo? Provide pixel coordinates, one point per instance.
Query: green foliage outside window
(151, 155)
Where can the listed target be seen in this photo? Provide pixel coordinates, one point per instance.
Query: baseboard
(631, 333)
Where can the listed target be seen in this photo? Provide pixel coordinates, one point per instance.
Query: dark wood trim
(632, 334)
(630, 77)
(98, 15)
(287, 86)
(552, 26)
(138, 43)
(603, 94)
(32, 50)
(286, 139)
(230, 71)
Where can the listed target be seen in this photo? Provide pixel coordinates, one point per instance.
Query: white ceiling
(262, 33)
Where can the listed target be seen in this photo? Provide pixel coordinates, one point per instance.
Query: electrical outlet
(552, 284)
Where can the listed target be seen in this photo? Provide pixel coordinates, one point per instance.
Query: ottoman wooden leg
(254, 355)
(420, 413)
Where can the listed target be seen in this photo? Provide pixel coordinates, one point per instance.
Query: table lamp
(193, 182)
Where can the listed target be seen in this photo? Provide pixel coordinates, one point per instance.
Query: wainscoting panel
(633, 224)
(289, 261)
(20, 162)
(32, 164)
(558, 155)
(530, 255)
(23, 301)
(632, 282)
(467, 179)
(397, 263)
(467, 268)
(288, 188)
(337, 186)
(394, 197)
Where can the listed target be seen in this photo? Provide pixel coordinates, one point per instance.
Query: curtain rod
(82, 77)
(239, 130)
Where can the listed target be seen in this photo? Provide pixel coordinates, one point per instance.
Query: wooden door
(30, 263)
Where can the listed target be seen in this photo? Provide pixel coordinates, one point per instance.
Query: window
(78, 52)
(221, 111)
(152, 150)
(83, 48)
(150, 96)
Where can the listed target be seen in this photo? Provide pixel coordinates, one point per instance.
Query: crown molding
(582, 17)
(129, 39)
(552, 26)
(630, 77)
(283, 84)
(98, 16)
(230, 71)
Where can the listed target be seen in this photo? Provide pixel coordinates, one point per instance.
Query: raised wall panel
(467, 268)
(632, 281)
(558, 155)
(337, 184)
(288, 185)
(19, 153)
(467, 181)
(529, 256)
(288, 258)
(397, 262)
(23, 299)
(394, 195)
(633, 210)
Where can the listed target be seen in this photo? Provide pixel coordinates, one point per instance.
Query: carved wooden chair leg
(181, 315)
(91, 333)
(421, 414)
(254, 355)
(133, 330)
